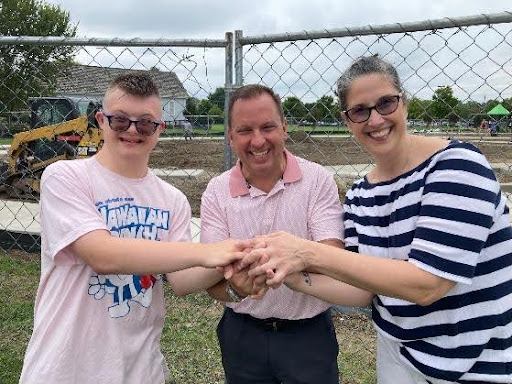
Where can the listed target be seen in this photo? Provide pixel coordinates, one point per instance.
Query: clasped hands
(268, 262)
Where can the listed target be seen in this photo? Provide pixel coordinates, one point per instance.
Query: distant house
(90, 82)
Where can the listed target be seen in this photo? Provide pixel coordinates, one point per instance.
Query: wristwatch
(233, 295)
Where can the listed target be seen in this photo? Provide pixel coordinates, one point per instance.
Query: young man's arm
(111, 255)
(190, 280)
(212, 228)
(193, 280)
(75, 231)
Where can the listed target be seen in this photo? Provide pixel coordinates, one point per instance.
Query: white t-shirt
(91, 328)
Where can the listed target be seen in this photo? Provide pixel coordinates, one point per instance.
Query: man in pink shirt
(287, 336)
(110, 230)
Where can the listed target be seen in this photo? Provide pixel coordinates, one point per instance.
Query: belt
(273, 324)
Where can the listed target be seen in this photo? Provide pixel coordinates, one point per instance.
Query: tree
(217, 97)
(336, 112)
(324, 108)
(443, 104)
(294, 108)
(215, 111)
(32, 70)
(191, 106)
(468, 110)
(507, 103)
(417, 108)
(204, 106)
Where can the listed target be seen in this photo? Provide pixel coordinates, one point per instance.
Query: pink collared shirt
(304, 202)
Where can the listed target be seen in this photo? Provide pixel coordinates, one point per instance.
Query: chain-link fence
(48, 82)
(458, 74)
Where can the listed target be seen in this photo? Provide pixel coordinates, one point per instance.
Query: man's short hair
(251, 91)
(135, 83)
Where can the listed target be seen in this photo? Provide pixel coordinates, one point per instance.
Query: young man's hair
(252, 91)
(135, 83)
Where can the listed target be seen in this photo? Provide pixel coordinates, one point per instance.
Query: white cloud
(211, 19)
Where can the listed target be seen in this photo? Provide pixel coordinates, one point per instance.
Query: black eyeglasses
(145, 127)
(385, 106)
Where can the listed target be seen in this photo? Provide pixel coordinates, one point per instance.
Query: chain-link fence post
(227, 93)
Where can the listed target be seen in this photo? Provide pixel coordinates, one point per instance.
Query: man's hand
(255, 286)
(285, 253)
(242, 282)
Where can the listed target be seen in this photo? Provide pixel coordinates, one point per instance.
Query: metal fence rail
(454, 71)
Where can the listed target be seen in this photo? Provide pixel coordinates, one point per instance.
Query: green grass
(5, 141)
(18, 282)
(218, 129)
(189, 341)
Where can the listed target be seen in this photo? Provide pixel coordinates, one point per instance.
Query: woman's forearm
(395, 278)
(329, 289)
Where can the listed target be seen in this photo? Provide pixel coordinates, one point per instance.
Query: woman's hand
(286, 254)
(293, 280)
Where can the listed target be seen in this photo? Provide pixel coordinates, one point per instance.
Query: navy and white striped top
(448, 217)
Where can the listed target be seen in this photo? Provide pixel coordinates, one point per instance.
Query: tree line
(442, 106)
(445, 106)
(27, 70)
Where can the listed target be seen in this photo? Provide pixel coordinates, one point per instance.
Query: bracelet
(233, 295)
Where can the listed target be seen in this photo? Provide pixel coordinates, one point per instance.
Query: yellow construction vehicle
(61, 128)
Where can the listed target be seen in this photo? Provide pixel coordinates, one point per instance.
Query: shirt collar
(238, 186)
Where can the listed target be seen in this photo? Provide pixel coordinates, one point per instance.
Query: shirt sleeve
(67, 211)
(350, 234)
(458, 207)
(180, 223)
(326, 213)
(214, 226)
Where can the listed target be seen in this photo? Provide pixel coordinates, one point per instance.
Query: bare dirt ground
(208, 155)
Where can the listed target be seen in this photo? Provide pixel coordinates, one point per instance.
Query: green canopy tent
(498, 114)
(499, 110)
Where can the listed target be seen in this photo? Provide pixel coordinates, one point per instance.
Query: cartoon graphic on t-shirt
(127, 220)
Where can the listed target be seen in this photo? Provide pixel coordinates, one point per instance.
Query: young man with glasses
(110, 229)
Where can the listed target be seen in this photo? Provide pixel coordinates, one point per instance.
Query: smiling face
(381, 135)
(129, 145)
(257, 135)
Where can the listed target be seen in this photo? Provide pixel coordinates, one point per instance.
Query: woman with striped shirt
(428, 231)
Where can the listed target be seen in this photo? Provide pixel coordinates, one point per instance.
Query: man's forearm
(218, 291)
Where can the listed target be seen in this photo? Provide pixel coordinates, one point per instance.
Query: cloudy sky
(212, 18)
